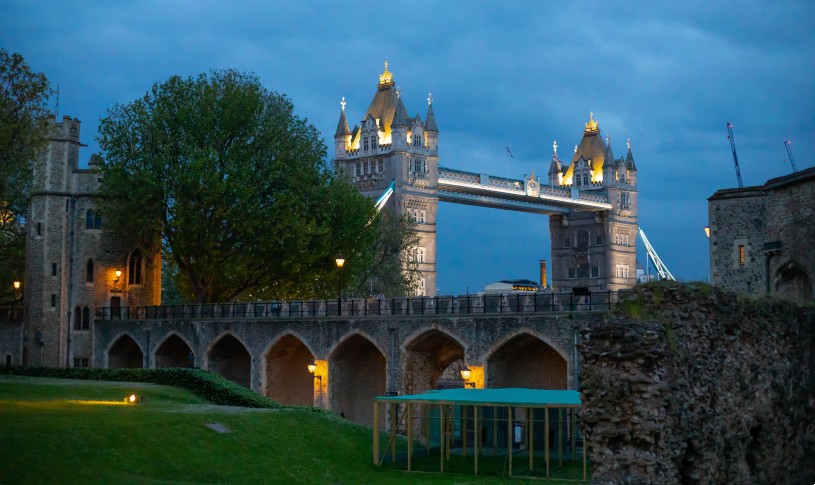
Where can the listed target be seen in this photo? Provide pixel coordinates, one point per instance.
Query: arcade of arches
(355, 362)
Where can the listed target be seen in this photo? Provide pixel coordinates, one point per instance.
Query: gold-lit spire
(591, 125)
(386, 77)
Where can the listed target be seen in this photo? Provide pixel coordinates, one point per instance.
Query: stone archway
(174, 352)
(356, 372)
(125, 353)
(793, 283)
(229, 358)
(527, 361)
(288, 380)
(432, 360)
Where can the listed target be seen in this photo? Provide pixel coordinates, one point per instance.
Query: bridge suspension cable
(658, 264)
(383, 199)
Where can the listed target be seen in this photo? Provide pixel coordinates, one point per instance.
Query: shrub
(208, 385)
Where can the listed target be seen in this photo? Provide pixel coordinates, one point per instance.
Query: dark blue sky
(667, 75)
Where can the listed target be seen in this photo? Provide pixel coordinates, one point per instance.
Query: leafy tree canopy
(234, 187)
(23, 122)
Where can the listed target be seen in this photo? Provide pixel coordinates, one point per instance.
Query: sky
(667, 75)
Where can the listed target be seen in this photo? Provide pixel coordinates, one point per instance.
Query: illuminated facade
(71, 260)
(389, 145)
(596, 250)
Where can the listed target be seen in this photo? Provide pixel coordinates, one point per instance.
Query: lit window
(420, 252)
(741, 254)
(134, 268)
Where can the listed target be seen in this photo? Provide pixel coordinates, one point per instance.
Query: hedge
(208, 385)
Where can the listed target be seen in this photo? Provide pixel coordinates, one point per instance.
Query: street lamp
(312, 369)
(465, 374)
(16, 285)
(340, 262)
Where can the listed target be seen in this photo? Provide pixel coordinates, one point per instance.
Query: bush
(211, 387)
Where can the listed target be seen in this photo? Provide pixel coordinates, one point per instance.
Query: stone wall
(689, 384)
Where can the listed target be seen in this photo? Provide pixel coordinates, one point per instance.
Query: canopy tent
(464, 415)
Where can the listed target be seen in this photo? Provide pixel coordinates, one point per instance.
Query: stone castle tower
(72, 260)
(595, 251)
(389, 145)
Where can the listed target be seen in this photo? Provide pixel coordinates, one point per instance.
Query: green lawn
(71, 431)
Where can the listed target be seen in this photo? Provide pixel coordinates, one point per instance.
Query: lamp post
(340, 262)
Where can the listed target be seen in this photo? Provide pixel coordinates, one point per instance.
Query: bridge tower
(595, 251)
(389, 145)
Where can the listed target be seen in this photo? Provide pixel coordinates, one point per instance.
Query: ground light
(133, 399)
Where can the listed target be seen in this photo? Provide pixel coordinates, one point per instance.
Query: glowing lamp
(340, 262)
(16, 285)
(118, 274)
(707, 231)
(132, 398)
(465, 373)
(312, 367)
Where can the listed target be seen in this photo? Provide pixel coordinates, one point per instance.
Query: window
(86, 318)
(365, 168)
(577, 180)
(583, 270)
(97, 221)
(418, 165)
(80, 362)
(585, 179)
(417, 140)
(134, 268)
(359, 169)
(381, 166)
(366, 143)
(622, 271)
(582, 239)
(53, 269)
(595, 271)
(421, 291)
(53, 300)
(418, 216)
(741, 254)
(39, 228)
(89, 219)
(373, 142)
(89, 271)
(419, 255)
(623, 200)
(566, 243)
(571, 272)
(78, 318)
(599, 240)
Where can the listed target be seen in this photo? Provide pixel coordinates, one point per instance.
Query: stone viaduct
(357, 357)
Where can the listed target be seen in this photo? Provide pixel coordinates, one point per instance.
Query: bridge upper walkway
(366, 307)
(513, 194)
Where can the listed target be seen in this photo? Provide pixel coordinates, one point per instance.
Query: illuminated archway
(356, 372)
(125, 353)
(525, 360)
(288, 380)
(174, 352)
(433, 359)
(229, 358)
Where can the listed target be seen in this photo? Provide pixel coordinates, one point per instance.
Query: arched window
(77, 318)
(134, 268)
(373, 142)
(89, 271)
(89, 219)
(86, 318)
(577, 180)
(365, 143)
(97, 222)
(583, 239)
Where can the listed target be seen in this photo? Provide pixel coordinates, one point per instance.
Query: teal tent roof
(498, 397)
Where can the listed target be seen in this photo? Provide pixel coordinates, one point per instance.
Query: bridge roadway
(268, 347)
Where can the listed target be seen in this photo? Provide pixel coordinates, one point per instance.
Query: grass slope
(66, 431)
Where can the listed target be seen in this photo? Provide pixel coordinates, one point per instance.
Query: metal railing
(361, 307)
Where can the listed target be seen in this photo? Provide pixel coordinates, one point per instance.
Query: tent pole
(395, 425)
(560, 436)
(409, 412)
(476, 437)
(376, 433)
(441, 436)
(510, 438)
(531, 438)
(546, 439)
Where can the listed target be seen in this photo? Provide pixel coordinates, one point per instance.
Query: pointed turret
(591, 148)
(342, 137)
(555, 168)
(430, 119)
(629, 158)
(608, 168)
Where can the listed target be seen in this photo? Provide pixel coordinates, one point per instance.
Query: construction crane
(733, 148)
(789, 153)
(658, 264)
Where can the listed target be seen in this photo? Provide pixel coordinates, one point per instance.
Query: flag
(510, 153)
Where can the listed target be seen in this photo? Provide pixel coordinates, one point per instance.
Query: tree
(23, 124)
(234, 187)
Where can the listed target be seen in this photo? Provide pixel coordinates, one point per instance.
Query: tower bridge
(591, 201)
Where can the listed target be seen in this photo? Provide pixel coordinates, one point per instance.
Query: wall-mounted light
(118, 274)
(465, 374)
(312, 369)
(707, 231)
(16, 285)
